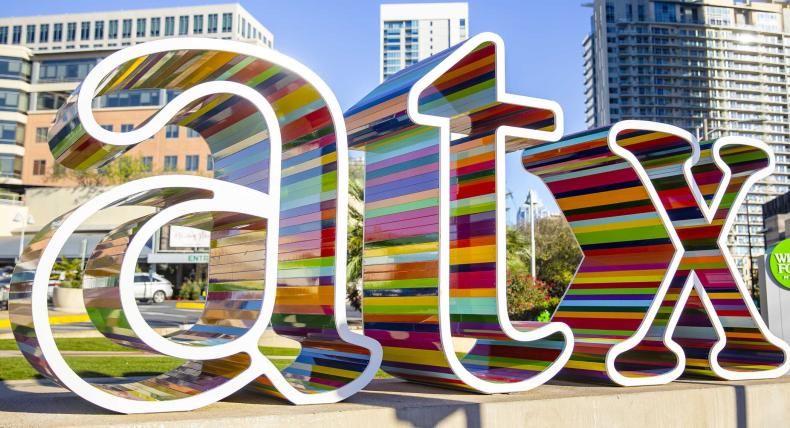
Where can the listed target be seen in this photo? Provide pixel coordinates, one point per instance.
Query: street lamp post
(25, 220)
(533, 256)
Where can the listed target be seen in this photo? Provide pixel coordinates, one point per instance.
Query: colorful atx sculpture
(656, 293)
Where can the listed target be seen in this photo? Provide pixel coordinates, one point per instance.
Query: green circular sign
(780, 263)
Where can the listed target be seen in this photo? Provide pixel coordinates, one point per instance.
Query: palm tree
(355, 243)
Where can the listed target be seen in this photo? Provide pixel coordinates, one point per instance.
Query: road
(166, 315)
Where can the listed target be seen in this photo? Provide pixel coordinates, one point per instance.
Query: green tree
(355, 244)
(119, 171)
(558, 253)
(356, 198)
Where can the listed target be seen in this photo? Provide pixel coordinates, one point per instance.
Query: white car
(152, 287)
(5, 290)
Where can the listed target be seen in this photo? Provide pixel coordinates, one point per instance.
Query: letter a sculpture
(276, 209)
(435, 138)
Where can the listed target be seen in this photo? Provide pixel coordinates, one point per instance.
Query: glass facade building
(43, 58)
(712, 67)
(412, 32)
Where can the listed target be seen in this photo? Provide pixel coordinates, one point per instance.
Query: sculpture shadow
(413, 403)
(58, 402)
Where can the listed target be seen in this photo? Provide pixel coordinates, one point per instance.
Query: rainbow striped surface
(240, 137)
(657, 293)
(415, 312)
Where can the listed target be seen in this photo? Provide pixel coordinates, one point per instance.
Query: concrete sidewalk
(395, 403)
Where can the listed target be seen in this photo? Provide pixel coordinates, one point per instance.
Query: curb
(58, 319)
(190, 305)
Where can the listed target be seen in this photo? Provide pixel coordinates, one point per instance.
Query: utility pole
(533, 256)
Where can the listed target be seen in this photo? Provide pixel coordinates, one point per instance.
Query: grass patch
(101, 344)
(87, 344)
(17, 368)
(272, 351)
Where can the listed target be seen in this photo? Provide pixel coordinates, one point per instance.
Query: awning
(9, 245)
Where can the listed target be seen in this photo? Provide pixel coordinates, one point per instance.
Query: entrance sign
(656, 295)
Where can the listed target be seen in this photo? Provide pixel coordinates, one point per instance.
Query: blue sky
(339, 40)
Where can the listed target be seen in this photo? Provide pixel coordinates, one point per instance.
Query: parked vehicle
(152, 287)
(5, 290)
(55, 279)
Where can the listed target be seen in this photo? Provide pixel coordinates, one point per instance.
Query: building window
(107, 127)
(71, 31)
(171, 131)
(130, 98)
(43, 35)
(12, 133)
(3, 35)
(113, 30)
(191, 133)
(31, 34)
(197, 26)
(141, 27)
(12, 100)
(10, 166)
(209, 163)
(665, 12)
(148, 163)
(213, 19)
(14, 68)
(41, 134)
(170, 24)
(85, 30)
(127, 127)
(183, 25)
(126, 30)
(65, 70)
(766, 21)
(227, 22)
(243, 26)
(155, 23)
(171, 163)
(98, 30)
(17, 36)
(715, 15)
(39, 167)
(193, 162)
(50, 100)
(57, 32)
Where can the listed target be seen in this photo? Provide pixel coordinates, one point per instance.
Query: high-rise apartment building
(412, 32)
(712, 67)
(44, 58)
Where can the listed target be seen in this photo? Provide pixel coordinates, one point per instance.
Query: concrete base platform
(394, 403)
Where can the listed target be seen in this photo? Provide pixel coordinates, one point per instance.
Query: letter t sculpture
(435, 137)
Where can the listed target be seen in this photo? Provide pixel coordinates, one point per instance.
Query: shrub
(72, 272)
(528, 300)
(191, 290)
